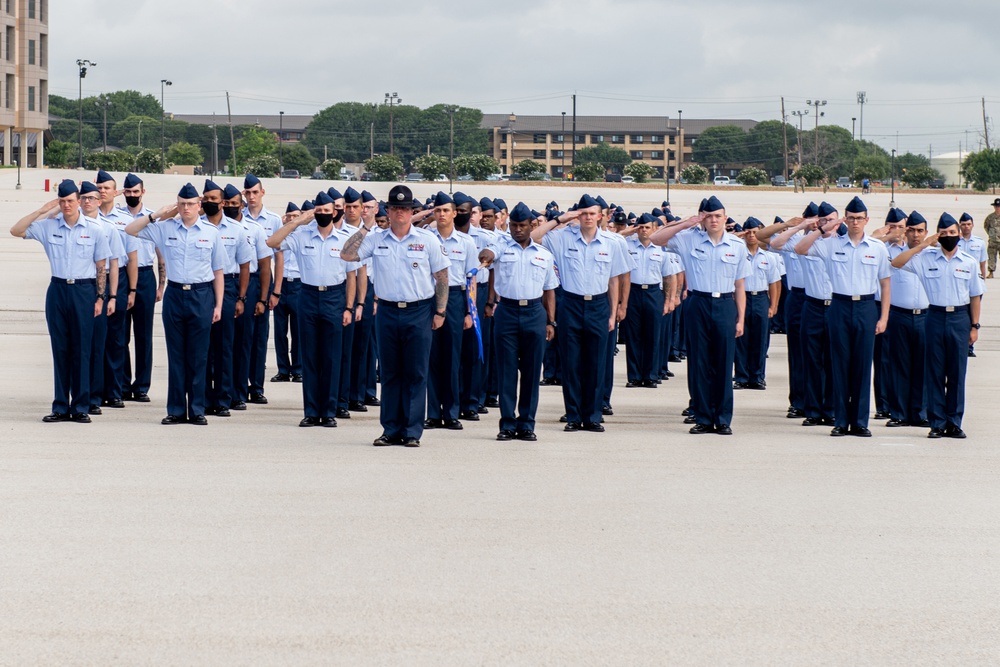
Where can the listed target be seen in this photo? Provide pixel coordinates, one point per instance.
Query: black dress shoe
(328, 422)
(221, 412)
(452, 425)
(547, 382)
(258, 399)
(126, 395)
(95, 410)
(686, 412)
(113, 403)
(723, 429)
(469, 415)
(411, 442)
(699, 429)
(971, 354)
(492, 402)
(632, 384)
(505, 435)
(80, 418)
(607, 411)
(595, 427)
(879, 414)
(357, 406)
(433, 423)
(673, 358)
(795, 413)
(923, 423)
(954, 431)
(282, 377)
(649, 384)
(739, 385)
(812, 421)
(572, 426)
(384, 441)
(56, 417)
(563, 420)
(481, 410)
(527, 436)
(373, 402)
(238, 405)
(759, 386)
(343, 413)
(198, 420)
(170, 420)
(829, 421)
(861, 432)
(669, 374)
(140, 397)
(296, 377)
(895, 423)
(309, 421)
(838, 431)
(936, 433)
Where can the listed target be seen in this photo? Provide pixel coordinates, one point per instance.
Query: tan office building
(654, 140)
(24, 80)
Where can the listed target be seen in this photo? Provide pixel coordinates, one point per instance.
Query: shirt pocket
(85, 247)
(57, 246)
(417, 258)
(602, 263)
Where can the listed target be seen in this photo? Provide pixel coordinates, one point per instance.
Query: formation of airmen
(457, 305)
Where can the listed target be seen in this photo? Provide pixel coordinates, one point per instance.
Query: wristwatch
(553, 324)
(131, 290)
(976, 325)
(242, 299)
(151, 219)
(440, 314)
(277, 294)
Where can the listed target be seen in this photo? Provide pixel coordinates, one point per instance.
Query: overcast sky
(924, 65)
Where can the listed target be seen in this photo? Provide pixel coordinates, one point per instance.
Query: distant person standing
(992, 226)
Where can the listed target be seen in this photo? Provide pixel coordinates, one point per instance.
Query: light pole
(680, 141)
(862, 98)
(852, 128)
(450, 110)
(104, 103)
(163, 120)
(817, 104)
(281, 141)
(800, 115)
(371, 133)
(17, 157)
(563, 168)
(392, 100)
(83, 65)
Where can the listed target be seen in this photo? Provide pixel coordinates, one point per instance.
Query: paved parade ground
(254, 542)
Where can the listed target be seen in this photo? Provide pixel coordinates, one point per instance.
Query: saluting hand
(164, 212)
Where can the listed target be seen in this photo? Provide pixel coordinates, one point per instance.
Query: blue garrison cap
(713, 204)
(552, 204)
(249, 181)
(946, 221)
(657, 212)
(600, 200)
(812, 211)
(777, 220)
(521, 213)
(856, 206)
(825, 209)
(586, 201)
(308, 205)
(322, 198)
(752, 223)
(231, 192)
(442, 199)
(915, 219)
(131, 181)
(382, 213)
(552, 214)
(291, 208)
(462, 198)
(631, 216)
(535, 214)
(500, 204)
(188, 192)
(895, 215)
(210, 185)
(487, 204)
(351, 195)
(965, 216)
(730, 222)
(67, 188)
(665, 204)
(334, 193)
(103, 177)
(367, 196)
(87, 186)
(842, 230)
(702, 205)
(647, 218)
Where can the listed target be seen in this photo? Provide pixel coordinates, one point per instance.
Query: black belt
(404, 304)
(74, 281)
(585, 297)
(908, 311)
(456, 288)
(646, 286)
(291, 281)
(324, 288)
(189, 286)
(818, 302)
(520, 303)
(757, 293)
(146, 268)
(943, 309)
(854, 297)
(712, 295)
(234, 276)
(798, 290)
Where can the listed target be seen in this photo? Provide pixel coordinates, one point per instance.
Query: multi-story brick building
(24, 80)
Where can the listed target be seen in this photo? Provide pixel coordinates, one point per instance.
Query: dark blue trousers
(139, 330)
(258, 348)
(643, 333)
(520, 335)
(404, 344)
(489, 354)
(551, 359)
(346, 363)
(907, 346)
(321, 332)
(793, 339)
(69, 314)
(446, 351)
(219, 389)
(711, 344)
(609, 366)
(115, 349)
(852, 347)
(662, 362)
(778, 321)
(373, 362)
(187, 325)
(680, 336)
(243, 341)
(362, 365)
(751, 347)
(492, 385)
(880, 365)
(97, 345)
(583, 344)
(286, 322)
(471, 371)
(946, 362)
(817, 371)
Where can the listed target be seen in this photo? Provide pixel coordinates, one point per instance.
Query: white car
(628, 179)
(722, 180)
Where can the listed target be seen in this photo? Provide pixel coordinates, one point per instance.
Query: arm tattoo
(349, 252)
(441, 290)
(102, 279)
(163, 273)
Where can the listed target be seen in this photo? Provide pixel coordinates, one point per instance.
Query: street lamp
(104, 103)
(852, 127)
(817, 104)
(281, 141)
(163, 119)
(140, 134)
(83, 65)
(563, 174)
(392, 100)
(680, 140)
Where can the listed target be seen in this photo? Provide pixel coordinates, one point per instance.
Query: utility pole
(450, 110)
(232, 139)
(784, 135)
(281, 141)
(215, 146)
(892, 180)
(371, 134)
(163, 120)
(83, 65)
(392, 101)
(104, 103)
(140, 134)
(853, 120)
(798, 142)
(817, 104)
(572, 163)
(563, 146)
(986, 127)
(862, 98)
(680, 142)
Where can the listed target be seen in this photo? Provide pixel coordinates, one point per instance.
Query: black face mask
(323, 219)
(133, 202)
(949, 243)
(210, 208)
(462, 219)
(338, 213)
(231, 211)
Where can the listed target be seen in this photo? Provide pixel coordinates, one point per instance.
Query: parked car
(722, 180)
(514, 177)
(628, 179)
(290, 173)
(318, 176)
(778, 181)
(464, 177)
(613, 178)
(347, 175)
(495, 177)
(936, 184)
(539, 176)
(367, 176)
(844, 182)
(415, 176)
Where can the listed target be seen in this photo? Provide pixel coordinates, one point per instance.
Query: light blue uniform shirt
(947, 282)
(145, 251)
(483, 239)
(651, 263)
(462, 254)
(815, 280)
(709, 267)
(404, 267)
(853, 270)
(793, 263)
(586, 268)
(118, 222)
(257, 240)
(270, 222)
(72, 250)
(906, 291)
(763, 271)
(974, 247)
(192, 255)
(234, 241)
(522, 273)
(318, 258)
(115, 242)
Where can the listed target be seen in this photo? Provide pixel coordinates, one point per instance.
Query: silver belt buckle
(522, 302)
(716, 295)
(917, 311)
(186, 287)
(826, 302)
(321, 288)
(401, 304)
(645, 287)
(588, 297)
(855, 297)
(949, 309)
(71, 281)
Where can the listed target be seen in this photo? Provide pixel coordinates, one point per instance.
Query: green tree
(148, 161)
(695, 174)
(477, 166)
(61, 154)
(837, 151)
(812, 173)
(982, 169)
(384, 167)
(920, 176)
(254, 142)
(298, 157)
(331, 168)
(721, 145)
(262, 166)
(640, 171)
(528, 167)
(872, 167)
(610, 157)
(110, 161)
(588, 171)
(432, 166)
(184, 153)
(908, 161)
(765, 145)
(68, 131)
(127, 132)
(751, 176)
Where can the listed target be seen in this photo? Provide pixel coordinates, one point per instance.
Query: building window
(673, 139)
(673, 155)
(539, 139)
(8, 92)
(503, 154)
(31, 52)
(636, 155)
(558, 138)
(43, 96)
(581, 138)
(538, 155)
(636, 138)
(597, 138)
(31, 9)
(558, 155)
(618, 138)
(656, 138)
(42, 10)
(43, 50)
(9, 44)
(31, 98)
(557, 171)
(655, 155)
(659, 172)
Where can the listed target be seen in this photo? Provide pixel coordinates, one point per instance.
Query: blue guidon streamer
(469, 277)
